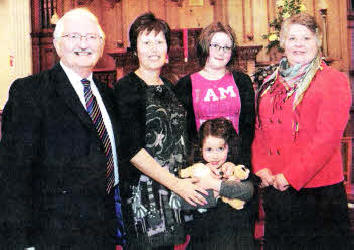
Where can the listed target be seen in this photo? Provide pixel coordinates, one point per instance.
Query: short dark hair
(203, 45)
(148, 22)
(221, 128)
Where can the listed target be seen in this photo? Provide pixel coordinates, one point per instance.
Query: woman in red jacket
(303, 108)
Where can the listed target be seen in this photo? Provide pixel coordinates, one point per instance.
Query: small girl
(221, 227)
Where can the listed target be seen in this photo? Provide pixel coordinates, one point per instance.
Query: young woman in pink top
(216, 90)
(213, 92)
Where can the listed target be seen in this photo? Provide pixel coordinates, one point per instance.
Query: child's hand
(215, 170)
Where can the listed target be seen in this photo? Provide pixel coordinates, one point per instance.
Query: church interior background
(27, 48)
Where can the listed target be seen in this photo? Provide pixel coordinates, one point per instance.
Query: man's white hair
(76, 14)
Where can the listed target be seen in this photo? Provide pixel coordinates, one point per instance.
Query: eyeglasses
(218, 47)
(76, 37)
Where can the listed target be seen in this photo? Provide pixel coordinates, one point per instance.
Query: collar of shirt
(75, 81)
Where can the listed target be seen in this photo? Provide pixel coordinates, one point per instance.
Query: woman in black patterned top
(152, 144)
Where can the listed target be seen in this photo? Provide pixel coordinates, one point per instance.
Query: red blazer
(304, 144)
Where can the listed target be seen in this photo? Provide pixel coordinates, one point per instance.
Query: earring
(166, 60)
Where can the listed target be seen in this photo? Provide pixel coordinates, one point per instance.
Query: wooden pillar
(220, 11)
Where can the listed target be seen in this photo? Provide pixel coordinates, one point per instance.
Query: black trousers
(312, 218)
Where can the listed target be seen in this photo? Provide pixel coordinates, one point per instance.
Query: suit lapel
(68, 94)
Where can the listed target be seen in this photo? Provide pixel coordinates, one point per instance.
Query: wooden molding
(176, 68)
(243, 21)
(179, 2)
(84, 2)
(42, 34)
(250, 36)
(248, 52)
(106, 75)
(113, 2)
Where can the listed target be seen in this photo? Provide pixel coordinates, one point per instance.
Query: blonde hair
(76, 14)
(303, 19)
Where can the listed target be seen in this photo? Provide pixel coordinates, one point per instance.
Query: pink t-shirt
(215, 98)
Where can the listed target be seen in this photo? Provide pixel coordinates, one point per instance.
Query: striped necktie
(93, 110)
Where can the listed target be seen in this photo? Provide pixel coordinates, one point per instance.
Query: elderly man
(58, 162)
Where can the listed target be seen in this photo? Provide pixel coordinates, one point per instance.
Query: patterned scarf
(296, 79)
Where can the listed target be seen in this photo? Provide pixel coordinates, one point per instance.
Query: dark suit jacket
(52, 168)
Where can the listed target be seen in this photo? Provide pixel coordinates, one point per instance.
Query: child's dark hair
(221, 128)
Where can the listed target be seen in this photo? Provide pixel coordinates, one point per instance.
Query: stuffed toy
(238, 172)
(196, 170)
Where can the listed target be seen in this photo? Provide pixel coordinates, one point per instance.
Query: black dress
(151, 212)
(221, 227)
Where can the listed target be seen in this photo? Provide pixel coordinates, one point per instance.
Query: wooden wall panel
(261, 16)
(249, 18)
(220, 11)
(158, 7)
(111, 21)
(172, 15)
(195, 16)
(236, 16)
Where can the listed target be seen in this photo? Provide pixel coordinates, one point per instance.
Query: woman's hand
(190, 192)
(266, 176)
(186, 188)
(280, 182)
